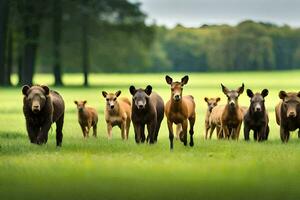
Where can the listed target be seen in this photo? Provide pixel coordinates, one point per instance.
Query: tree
(4, 12)
(57, 31)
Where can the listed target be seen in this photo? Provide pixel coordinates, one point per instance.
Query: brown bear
(147, 109)
(288, 114)
(41, 108)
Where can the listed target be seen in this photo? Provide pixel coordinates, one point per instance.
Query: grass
(102, 169)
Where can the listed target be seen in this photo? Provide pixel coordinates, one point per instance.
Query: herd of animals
(42, 107)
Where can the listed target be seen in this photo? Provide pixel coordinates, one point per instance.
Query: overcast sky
(194, 13)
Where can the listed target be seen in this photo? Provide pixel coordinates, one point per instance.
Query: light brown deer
(117, 113)
(87, 118)
(179, 110)
(211, 103)
(232, 115)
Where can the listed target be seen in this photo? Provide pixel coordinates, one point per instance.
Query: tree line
(59, 36)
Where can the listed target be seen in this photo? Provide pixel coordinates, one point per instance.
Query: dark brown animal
(288, 114)
(256, 118)
(232, 116)
(211, 103)
(147, 109)
(179, 110)
(87, 118)
(41, 108)
(117, 113)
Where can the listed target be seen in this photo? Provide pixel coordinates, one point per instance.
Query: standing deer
(179, 110)
(232, 116)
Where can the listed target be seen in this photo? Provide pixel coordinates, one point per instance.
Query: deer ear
(206, 99)
(265, 92)
(169, 80)
(218, 99)
(249, 93)
(240, 90)
(132, 90)
(224, 89)
(84, 102)
(282, 94)
(76, 102)
(185, 80)
(104, 94)
(148, 90)
(25, 89)
(46, 88)
(118, 93)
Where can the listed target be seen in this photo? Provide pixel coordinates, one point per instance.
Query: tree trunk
(30, 49)
(57, 21)
(9, 62)
(31, 28)
(85, 49)
(20, 62)
(3, 38)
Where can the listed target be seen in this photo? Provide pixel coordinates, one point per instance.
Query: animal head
(290, 101)
(232, 95)
(35, 97)
(177, 87)
(257, 100)
(140, 97)
(212, 102)
(111, 99)
(80, 105)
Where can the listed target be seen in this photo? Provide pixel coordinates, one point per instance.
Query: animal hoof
(191, 144)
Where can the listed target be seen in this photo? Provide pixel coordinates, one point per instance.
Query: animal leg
(284, 134)
(207, 127)
(237, 131)
(184, 131)
(212, 128)
(192, 123)
(87, 130)
(219, 133)
(127, 127)
(226, 131)
(171, 135)
(43, 134)
(109, 131)
(246, 132)
(32, 133)
(262, 134)
(178, 131)
(123, 134)
(255, 135)
(267, 132)
(137, 132)
(151, 132)
(95, 130)
(156, 131)
(143, 138)
(59, 127)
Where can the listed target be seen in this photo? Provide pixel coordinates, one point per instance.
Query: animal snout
(257, 109)
(177, 97)
(292, 114)
(112, 106)
(36, 108)
(140, 105)
(232, 103)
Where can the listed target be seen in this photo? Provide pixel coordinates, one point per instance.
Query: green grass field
(102, 169)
